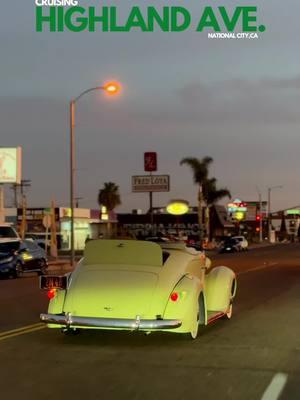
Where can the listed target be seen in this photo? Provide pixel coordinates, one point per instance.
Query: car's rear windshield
(7, 232)
(9, 247)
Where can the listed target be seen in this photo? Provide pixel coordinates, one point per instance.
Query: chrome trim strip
(132, 324)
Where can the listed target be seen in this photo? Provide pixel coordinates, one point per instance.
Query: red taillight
(174, 296)
(51, 294)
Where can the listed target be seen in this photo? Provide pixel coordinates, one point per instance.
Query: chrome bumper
(68, 320)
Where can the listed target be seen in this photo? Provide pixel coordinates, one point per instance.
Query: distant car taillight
(51, 294)
(174, 296)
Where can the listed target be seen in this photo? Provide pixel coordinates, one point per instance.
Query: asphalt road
(255, 355)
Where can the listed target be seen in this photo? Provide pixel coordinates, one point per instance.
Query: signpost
(47, 225)
(150, 183)
(150, 161)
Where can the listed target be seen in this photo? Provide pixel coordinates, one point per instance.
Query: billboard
(150, 183)
(10, 164)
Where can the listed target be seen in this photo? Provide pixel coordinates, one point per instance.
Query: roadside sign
(47, 221)
(10, 164)
(150, 183)
(150, 161)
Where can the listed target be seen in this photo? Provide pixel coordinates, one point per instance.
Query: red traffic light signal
(258, 218)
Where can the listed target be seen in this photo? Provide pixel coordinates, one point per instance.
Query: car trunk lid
(111, 292)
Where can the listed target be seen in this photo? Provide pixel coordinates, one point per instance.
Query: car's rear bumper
(68, 320)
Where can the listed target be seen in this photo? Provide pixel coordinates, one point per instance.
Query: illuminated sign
(10, 164)
(238, 209)
(293, 212)
(178, 207)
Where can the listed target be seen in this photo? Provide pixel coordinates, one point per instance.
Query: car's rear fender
(220, 289)
(56, 304)
(186, 307)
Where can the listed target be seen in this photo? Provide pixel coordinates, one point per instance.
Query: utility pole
(260, 219)
(14, 187)
(2, 211)
(77, 201)
(269, 210)
(24, 184)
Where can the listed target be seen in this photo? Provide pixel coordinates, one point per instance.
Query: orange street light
(110, 88)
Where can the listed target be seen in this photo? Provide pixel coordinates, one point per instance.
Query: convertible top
(129, 252)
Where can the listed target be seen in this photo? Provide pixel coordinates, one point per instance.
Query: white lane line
(275, 387)
(265, 266)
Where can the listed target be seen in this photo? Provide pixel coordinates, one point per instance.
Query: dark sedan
(18, 257)
(231, 246)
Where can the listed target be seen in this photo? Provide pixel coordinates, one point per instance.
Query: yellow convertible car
(138, 285)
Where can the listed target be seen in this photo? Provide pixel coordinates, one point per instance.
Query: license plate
(48, 282)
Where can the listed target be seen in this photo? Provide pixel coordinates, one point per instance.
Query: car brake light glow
(51, 294)
(174, 296)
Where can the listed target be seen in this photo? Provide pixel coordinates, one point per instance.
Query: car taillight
(51, 294)
(174, 296)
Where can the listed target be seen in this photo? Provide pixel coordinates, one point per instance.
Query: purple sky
(184, 95)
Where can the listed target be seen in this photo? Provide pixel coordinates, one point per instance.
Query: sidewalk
(60, 266)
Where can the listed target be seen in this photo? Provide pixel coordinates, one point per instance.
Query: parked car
(17, 257)
(243, 241)
(8, 233)
(231, 245)
(139, 285)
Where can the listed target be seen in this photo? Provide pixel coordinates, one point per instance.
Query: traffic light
(258, 221)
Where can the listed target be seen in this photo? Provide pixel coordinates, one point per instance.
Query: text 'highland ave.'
(149, 19)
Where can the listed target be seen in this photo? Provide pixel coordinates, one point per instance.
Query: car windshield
(7, 232)
(9, 247)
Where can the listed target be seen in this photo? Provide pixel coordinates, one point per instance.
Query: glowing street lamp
(111, 88)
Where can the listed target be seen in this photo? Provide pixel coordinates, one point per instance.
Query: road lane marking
(275, 387)
(260, 267)
(21, 331)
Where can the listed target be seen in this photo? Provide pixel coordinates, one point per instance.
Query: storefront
(82, 225)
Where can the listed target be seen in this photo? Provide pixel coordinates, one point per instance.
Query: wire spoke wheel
(19, 269)
(194, 331)
(229, 311)
(43, 267)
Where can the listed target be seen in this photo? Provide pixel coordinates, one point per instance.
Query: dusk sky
(184, 95)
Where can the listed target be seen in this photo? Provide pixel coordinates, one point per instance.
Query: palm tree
(200, 169)
(212, 195)
(109, 197)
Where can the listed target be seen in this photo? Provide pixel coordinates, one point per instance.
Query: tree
(212, 195)
(110, 198)
(200, 169)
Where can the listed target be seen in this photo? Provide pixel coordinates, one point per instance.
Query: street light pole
(110, 88)
(72, 178)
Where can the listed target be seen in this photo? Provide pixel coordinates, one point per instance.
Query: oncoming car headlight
(6, 260)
